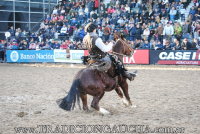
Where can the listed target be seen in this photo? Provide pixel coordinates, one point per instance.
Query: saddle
(102, 65)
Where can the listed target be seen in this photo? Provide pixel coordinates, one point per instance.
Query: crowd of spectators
(146, 24)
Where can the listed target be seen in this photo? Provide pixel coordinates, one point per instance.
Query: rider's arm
(105, 48)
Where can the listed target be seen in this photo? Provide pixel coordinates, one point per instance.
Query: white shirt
(168, 30)
(63, 30)
(99, 43)
(105, 48)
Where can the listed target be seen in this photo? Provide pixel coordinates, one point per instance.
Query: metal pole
(49, 7)
(14, 14)
(43, 9)
(29, 16)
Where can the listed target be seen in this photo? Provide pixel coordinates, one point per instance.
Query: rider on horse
(99, 50)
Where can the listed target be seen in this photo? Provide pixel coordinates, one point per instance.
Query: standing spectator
(172, 13)
(138, 32)
(159, 32)
(178, 31)
(186, 29)
(106, 33)
(132, 31)
(168, 31)
(182, 12)
(146, 33)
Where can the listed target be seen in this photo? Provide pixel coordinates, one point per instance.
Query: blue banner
(30, 56)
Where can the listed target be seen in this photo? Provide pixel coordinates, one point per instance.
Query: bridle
(124, 44)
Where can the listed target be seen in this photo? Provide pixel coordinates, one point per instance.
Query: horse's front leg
(124, 86)
(120, 94)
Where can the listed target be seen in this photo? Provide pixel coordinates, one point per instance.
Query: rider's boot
(123, 71)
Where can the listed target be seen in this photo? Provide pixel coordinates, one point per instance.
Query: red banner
(139, 57)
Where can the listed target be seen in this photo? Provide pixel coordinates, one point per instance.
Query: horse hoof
(125, 102)
(104, 111)
(133, 106)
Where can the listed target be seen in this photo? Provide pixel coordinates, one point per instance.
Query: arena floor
(165, 96)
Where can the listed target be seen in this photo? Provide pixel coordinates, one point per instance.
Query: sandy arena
(165, 96)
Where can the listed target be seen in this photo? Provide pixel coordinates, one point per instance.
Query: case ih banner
(170, 57)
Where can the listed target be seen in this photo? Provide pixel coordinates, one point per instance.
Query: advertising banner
(178, 57)
(30, 56)
(62, 56)
(139, 57)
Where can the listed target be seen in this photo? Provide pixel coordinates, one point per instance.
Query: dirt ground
(165, 96)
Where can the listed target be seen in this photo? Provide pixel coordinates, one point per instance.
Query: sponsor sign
(181, 57)
(139, 57)
(75, 56)
(29, 56)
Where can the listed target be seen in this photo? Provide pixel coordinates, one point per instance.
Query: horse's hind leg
(95, 104)
(84, 101)
(95, 101)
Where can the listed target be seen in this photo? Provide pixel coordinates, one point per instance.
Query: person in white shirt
(168, 31)
(63, 30)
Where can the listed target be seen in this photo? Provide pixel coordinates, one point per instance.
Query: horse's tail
(68, 102)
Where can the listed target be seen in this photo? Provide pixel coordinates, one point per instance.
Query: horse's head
(121, 47)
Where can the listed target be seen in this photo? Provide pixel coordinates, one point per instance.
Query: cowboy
(99, 50)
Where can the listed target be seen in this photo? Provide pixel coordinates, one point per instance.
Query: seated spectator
(176, 45)
(65, 44)
(186, 45)
(56, 45)
(159, 46)
(46, 47)
(166, 44)
(72, 46)
(137, 44)
(32, 46)
(145, 45)
(13, 45)
(23, 45)
(195, 44)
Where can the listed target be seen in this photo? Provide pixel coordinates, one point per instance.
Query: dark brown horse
(94, 82)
